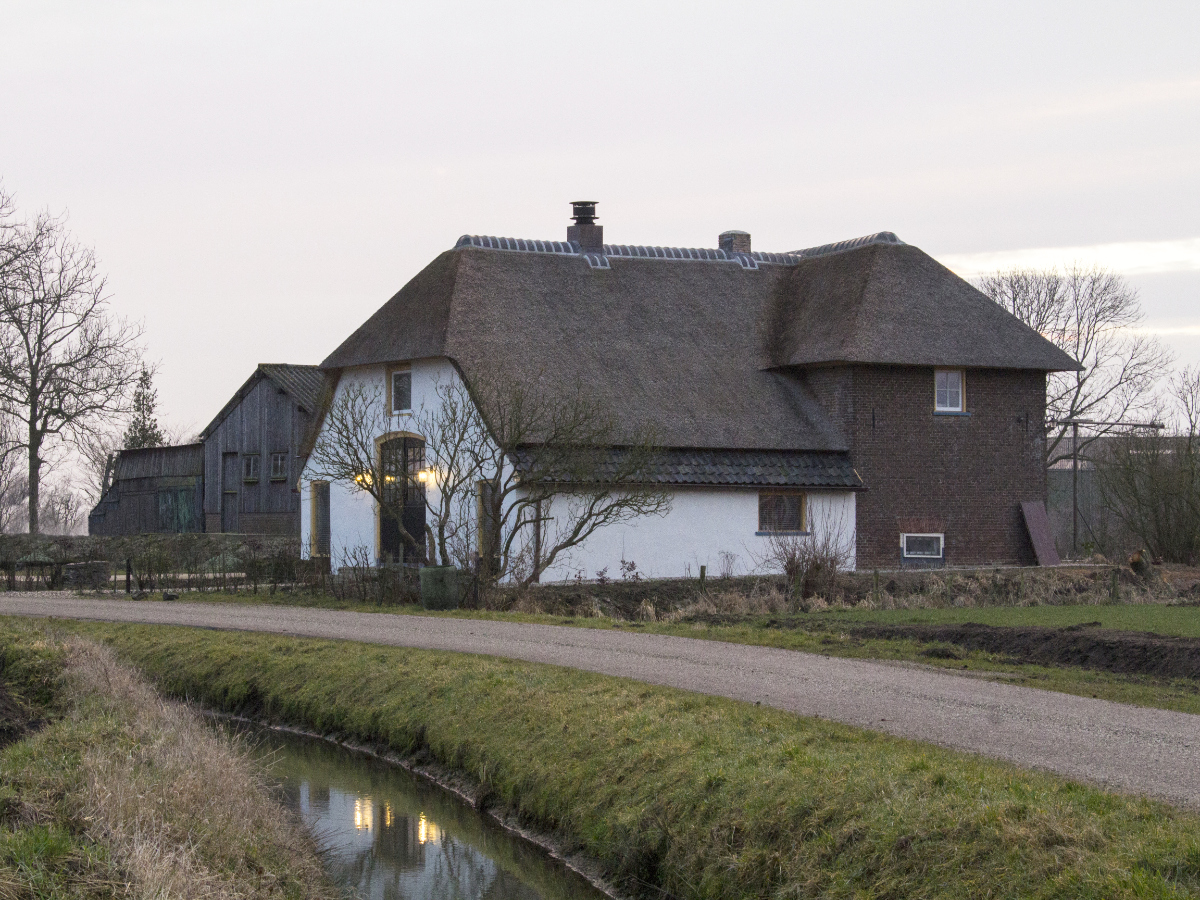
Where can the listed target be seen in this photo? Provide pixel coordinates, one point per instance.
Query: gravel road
(1132, 749)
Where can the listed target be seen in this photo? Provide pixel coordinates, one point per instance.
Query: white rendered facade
(715, 527)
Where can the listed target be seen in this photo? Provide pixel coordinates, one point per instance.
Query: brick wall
(961, 475)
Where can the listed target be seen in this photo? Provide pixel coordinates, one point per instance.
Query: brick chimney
(585, 231)
(734, 241)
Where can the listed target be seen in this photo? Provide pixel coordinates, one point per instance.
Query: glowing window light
(427, 831)
(363, 814)
(387, 815)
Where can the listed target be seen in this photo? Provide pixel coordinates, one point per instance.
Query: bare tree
(1150, 480)
(1091, 314)
(349, 450)
(66, 364)
(514, 476)
(13, 484)
(553, 468)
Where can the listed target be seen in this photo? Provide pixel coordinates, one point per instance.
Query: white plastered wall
(352, 513)
(701, 526)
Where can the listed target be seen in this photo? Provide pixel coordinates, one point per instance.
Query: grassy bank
(695, 797)
(106, 790)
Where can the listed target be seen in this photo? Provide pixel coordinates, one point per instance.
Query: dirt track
(1146, 751)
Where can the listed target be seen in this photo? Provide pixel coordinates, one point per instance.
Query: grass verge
(120, 793)
(680, 795)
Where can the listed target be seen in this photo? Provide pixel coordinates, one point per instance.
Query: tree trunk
(35, 472)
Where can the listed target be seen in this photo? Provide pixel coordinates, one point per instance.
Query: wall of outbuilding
(266, 420)
(961, 475)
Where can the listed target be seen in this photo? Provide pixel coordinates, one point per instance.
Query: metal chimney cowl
(734, 241)
(585, 233)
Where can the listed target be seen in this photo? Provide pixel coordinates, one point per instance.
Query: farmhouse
(858, 392)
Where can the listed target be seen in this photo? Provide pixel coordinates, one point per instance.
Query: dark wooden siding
(266, 421)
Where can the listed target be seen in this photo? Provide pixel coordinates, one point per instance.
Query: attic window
(780, 512)
(279, 466)
(400, 390)
(948, 390)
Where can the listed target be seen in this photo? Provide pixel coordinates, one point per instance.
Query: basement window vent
(922, 546)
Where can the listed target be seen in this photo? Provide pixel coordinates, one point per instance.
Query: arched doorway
(401, 461)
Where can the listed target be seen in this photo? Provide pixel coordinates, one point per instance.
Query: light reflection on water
(392, 836)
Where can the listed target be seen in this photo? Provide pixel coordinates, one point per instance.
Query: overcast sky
(258, 178)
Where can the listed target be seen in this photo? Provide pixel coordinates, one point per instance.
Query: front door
(403, 459)
(229, 493)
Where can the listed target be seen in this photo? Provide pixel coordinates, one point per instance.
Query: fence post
(128, 574)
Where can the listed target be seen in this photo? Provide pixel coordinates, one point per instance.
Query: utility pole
(1075, 423)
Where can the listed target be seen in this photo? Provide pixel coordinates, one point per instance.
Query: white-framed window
(781, 512)
(948, 390)
(922, 546)
(400, 389)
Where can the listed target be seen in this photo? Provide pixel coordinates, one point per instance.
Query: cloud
(1131, 258)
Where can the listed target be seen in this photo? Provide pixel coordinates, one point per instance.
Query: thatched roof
(705, 348)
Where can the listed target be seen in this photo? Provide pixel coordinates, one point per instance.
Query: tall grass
(128, 794)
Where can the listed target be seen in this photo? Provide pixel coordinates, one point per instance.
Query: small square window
(922, 546)
(780, 512)
(250, 467)
(401, 390)
(279, 466)
(948, 390)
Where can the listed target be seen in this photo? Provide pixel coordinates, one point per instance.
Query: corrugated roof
(702, 355)
(153, 462)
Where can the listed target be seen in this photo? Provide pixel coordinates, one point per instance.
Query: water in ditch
(389, 835)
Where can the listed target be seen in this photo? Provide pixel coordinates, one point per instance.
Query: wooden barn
(158, 490)
(252, 452)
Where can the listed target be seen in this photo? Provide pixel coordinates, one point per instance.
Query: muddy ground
(1088, 646)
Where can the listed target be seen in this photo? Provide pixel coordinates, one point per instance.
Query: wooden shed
(253, 451)
(157, 490)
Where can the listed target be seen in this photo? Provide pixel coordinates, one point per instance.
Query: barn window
(279, 467)
(400, 390)
(251, 467)
(922, 546)
(781, 512)
(948, 390)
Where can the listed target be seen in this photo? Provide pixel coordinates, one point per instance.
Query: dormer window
(400, 390)
(948, 390)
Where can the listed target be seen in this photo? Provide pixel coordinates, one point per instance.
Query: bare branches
(348, 450)
(556, 469)
(1090, 313)
(1151, 481)
(66, 364)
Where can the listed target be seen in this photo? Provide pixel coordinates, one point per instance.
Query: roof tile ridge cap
(833, 248)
